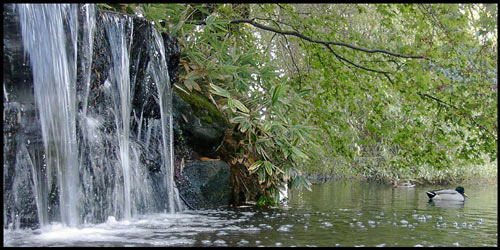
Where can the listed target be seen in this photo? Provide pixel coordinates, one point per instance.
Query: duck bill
(466, 195)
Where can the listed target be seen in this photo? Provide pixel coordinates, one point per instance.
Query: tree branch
(299, 35)
(293, 60)
(441, 102)
(325, 43)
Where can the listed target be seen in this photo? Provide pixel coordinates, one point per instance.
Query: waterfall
(53, 61)
(161, 79)
(96, 158)
(119, 32)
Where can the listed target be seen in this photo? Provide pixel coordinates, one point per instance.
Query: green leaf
(275, 94)
(244, 126)
(190, 84)
(219, 91)
(299, 153)
(267, 126)
(240, 106)
(238, 119)
(255, 166)
(262, 175)
(269, 168)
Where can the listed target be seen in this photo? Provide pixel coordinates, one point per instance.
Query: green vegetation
(385, 91)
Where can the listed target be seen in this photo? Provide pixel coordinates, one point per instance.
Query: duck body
(447, 194)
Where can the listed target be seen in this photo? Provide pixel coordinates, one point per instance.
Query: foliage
(297, 104)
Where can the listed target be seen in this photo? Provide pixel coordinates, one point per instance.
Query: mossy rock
(198, 122)
(202, 107)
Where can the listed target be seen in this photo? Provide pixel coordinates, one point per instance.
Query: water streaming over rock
(102, 93)
(53, 60)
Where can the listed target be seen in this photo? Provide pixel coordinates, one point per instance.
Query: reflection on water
(445, 203)
(333, 214)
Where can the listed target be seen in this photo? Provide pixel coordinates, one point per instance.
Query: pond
(335, 213)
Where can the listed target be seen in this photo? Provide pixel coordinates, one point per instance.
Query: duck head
(461, 190)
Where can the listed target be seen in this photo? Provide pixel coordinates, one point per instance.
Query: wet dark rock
(22, 153)
(205, 184)
(319, 178)
(17, 76)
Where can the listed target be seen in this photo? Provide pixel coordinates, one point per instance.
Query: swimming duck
(404, 185)
(447, 194)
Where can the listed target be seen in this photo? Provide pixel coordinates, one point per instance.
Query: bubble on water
(421, 218)
(252, 228)
(257, 242)
(455, 223)
(337, 245)
(327, 224)
(354, 219)
(206, 242)
(248, 213)
(220, 243)
(243, 242)
(284, 228)
(414, 215)
(428, 216)
(371, 222)
(418, 245)
(221, 233)
(404, 222)
(351, 225)
(440, 218)
(381, 245)
(278, 243)
(456, 244)
(480, 221)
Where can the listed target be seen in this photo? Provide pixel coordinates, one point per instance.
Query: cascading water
(53, 60)
(161, 79)
(119, 32)
(98, 152)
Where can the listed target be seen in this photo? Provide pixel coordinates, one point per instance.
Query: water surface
(336, 213)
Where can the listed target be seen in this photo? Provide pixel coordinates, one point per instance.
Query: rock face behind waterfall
(23, 151)
(205, 184)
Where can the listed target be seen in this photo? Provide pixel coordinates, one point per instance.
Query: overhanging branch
(299, 35)
(327, 44)
(441, 102)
